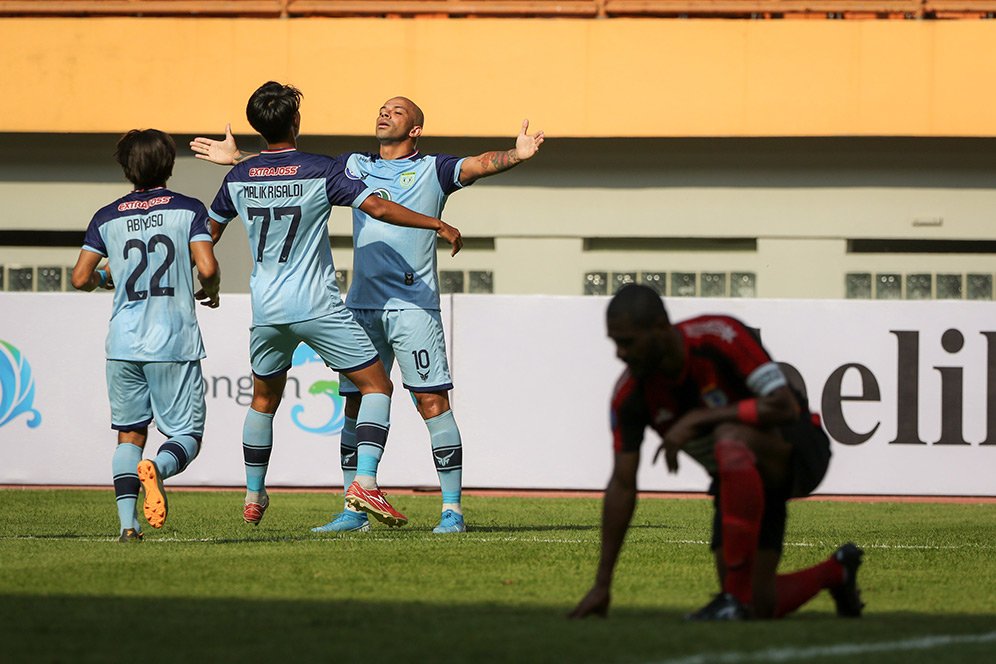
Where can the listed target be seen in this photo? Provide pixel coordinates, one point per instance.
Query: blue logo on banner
(336, 410)
(17, 386)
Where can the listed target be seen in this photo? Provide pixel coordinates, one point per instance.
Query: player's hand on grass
(596, 603)
(526, 145)
(210, 300)
(452, 235)
(224, 152)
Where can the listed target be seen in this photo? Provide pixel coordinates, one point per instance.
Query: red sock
(797, 588)
(741, 502)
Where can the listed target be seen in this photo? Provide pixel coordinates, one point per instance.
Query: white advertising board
(907, 391)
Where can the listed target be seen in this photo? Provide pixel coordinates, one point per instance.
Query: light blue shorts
(336, 337)
(170, 392)
(413, 337)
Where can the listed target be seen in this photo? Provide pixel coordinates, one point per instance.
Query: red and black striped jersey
(724, 363)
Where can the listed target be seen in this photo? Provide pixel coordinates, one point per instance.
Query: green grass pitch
(208, 587)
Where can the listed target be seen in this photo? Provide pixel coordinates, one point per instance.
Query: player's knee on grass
(764, 594)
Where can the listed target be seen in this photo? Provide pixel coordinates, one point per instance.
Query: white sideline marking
(839, 650)
(479, 538)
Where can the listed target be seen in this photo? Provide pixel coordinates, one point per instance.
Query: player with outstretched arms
(151, 237)
(284, 198)
(395, 291)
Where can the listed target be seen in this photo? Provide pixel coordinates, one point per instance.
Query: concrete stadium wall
(800, 200)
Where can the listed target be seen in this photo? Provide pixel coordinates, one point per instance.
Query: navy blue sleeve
(340, 187)
(199, 224)
(93, 240)
(448, 172)
(223, 209)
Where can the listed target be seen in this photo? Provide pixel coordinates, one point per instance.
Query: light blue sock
(372, 424)
(347, 452)
(124, 468)
(447, 454)
(257, 443)
(176, 454)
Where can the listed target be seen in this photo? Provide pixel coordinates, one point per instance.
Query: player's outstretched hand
(526, 145)
(595, 603)
(452, 235)
(224, 152)
(210, 300)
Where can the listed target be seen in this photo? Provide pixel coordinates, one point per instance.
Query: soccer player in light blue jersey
(284, 198)
(151, 237)
(395, 291)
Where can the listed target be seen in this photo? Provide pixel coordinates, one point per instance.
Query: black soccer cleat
(130, 535)
(847, 596)
(723, 606)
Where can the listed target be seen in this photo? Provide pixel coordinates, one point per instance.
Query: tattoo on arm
(496, 162)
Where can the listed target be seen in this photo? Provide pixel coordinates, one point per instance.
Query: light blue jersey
(284, 198)
(146, 238)
(395, 267)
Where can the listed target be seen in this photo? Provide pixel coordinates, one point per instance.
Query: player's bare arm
(208, 273)
(217, 230)
(617, 512)
(778, 407)
(392, 213)
(490, 163)
(87, 276)
(224, 152)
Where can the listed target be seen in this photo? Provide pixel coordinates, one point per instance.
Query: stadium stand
(759, 9)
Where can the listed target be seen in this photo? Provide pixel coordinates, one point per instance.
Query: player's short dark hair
(147, 157)
(271, 110)
(641, 305)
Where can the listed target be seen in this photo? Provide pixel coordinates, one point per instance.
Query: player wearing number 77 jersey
(150, 238)
(284, 198)
(395, 292)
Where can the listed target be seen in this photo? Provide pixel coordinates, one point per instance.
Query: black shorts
(810, 460)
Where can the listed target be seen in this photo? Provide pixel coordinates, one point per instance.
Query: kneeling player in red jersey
(709, 387)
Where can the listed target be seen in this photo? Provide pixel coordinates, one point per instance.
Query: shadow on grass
(101, 629)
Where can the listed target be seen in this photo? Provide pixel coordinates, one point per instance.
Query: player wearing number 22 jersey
(150, 238)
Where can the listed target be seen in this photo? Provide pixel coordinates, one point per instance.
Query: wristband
(102, 275)
(747, 412)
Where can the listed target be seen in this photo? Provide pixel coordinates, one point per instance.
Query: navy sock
(257, 443)
(347, 453)
(176, 454)
(372, 424)
(447, 454)
(124, 466)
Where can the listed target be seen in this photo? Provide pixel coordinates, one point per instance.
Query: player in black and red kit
(708, 387)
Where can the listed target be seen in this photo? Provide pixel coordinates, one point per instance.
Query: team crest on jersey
(407, 179)
(714, 397)
(383, 193)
